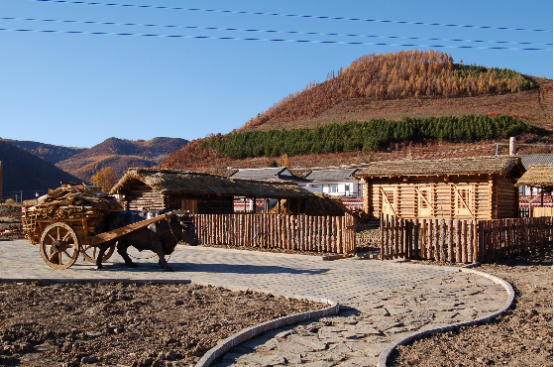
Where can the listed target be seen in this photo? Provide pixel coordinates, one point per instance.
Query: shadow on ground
(213, 268)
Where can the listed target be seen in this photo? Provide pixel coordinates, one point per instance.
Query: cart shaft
(120, 232)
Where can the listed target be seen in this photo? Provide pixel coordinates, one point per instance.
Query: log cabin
(461, 188)
(197, 193)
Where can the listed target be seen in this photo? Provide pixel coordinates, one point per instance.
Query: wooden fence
(293, 232)
(463, 241)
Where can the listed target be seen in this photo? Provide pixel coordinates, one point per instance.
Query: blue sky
(80, 89)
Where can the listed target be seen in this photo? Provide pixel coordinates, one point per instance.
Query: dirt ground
(126, 324)
(521, 337)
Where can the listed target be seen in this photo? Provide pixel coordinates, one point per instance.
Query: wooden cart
(61, 240)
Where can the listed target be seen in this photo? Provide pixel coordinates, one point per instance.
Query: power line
(273, 31)
(294, 15)
(272, 40)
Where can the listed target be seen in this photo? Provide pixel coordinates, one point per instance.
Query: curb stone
(253, 331)
(384, 356)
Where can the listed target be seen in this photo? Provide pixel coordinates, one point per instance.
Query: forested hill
(402, 76)
(22, 170)
(381, 104)
(48, 152)
(120, 154)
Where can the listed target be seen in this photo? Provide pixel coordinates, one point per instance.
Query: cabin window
(388, 201)
(333, 188)
(463, 201)
(424, 202)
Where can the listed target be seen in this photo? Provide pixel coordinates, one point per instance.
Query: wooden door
(424, 206)
(387, 206)
(463, 202)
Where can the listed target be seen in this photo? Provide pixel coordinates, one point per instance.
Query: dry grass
(537, 176)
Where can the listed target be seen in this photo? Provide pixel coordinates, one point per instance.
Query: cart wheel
(89, 253)
(59, 246)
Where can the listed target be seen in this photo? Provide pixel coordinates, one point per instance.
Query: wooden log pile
(71, 200)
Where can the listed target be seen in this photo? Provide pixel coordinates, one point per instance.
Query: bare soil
(126, 324)
(520, 337)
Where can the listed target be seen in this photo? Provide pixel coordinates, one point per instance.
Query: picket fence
(461, 240)
(293, 232)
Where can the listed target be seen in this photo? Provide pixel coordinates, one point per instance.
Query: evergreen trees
(362, 136)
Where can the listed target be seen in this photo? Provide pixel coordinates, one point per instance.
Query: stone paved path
(380, 300)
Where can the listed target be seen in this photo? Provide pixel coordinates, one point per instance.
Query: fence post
(409, 239)
(442, 238)
(382, 227)
(417, 242)
(471, 247)
(450, 234)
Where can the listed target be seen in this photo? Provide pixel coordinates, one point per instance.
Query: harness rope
(169, 257)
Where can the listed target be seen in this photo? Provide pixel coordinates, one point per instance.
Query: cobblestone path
(381, 301)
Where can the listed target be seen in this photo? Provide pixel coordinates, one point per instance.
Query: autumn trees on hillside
(405, 74)
(105, 178)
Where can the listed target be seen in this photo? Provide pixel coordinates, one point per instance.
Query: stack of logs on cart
(71, 201)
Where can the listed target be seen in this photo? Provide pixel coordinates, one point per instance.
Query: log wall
(141, 196)
(462, 241)
(293, 232)
(492, 197)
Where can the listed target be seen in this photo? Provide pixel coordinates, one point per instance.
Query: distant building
(335, 182)
(529, 160)
(266, 174)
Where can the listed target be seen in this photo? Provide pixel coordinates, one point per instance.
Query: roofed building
(539, 177)
(335, 182)
(529, 160)
(476, 188)
(198, 193)
(266, 174)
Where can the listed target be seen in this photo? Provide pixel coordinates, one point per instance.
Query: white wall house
(532, 159)
(336, 182)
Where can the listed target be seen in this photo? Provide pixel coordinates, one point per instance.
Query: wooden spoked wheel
(59, 246)
(90, 252)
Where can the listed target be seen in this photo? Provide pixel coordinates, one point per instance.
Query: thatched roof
(272, 189)
(266, 173)
(202, 184)
(320, 204)
(537, 176)
(496, 165)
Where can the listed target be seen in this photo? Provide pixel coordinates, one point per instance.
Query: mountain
(120, 154)
(391, 89)
(48, 152)
(23, 171)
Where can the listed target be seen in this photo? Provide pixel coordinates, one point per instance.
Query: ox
(158, 237)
